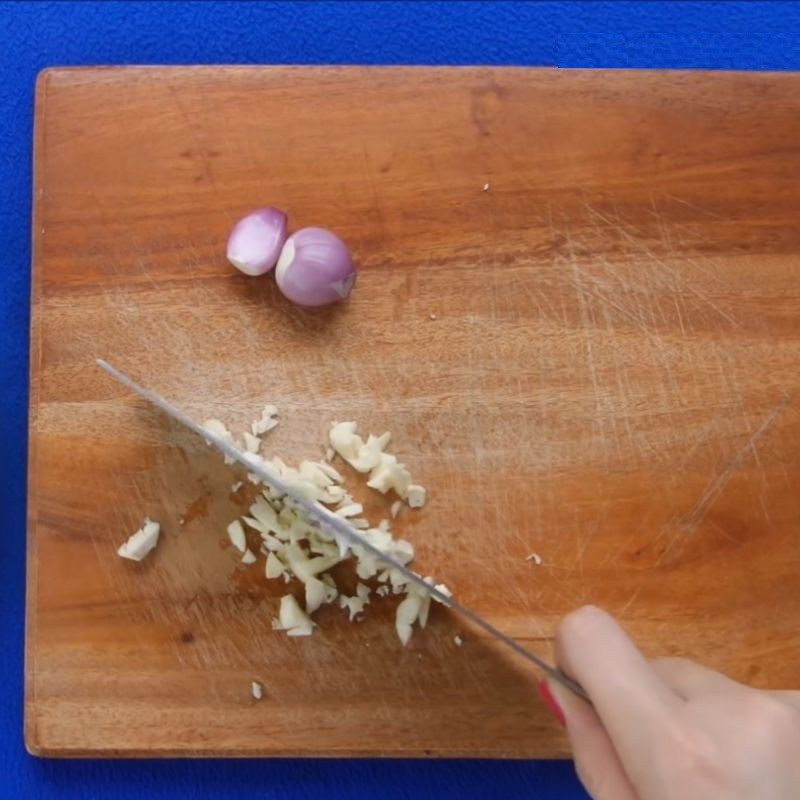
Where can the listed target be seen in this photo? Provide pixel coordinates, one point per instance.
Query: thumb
(596, 762)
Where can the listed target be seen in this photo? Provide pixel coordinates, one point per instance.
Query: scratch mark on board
(716, 486)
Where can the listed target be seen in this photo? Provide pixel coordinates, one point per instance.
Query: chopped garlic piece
(415, 496)
(333, 474)
(236, 535)
(256, 689)
(402, 550)
(535, 558)
(404, 632)
(254, 459)
(345, 441)
(322, 548)
(440, 587)
(291, 616)
(395, 509)
(333, 495)
(424, 610)
(350, 510)
(142, 542)
(366, 566)
(389, 474)
(249, 557)
(355, 605)
(408, 610)
(363, 591)
(218, 429)
(304, 567)
(265, 422)
(315, 594)
(458, 641)
(270, 542)
(331, 592)
(380, 537)
(275, 566)
(251, 443)
(265, 514)
(312, 473)
(236, 486)
(369, 454)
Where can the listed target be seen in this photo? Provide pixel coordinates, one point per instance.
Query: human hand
(669, 729)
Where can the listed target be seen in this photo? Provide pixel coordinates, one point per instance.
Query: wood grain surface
(595, 358)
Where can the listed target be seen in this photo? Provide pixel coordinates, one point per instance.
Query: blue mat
(37, 35)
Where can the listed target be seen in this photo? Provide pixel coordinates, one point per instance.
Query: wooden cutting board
(577, 312)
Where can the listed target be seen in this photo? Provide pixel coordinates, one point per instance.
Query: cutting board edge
(31, 735)
(41, 749)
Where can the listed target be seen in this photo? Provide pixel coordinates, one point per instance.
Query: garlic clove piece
(236, 535)
(251, 443)
(141, 543)
(404, 632)
(274, 567)
(415, 496)
(316, 591)
(345, 441)
(291, 616)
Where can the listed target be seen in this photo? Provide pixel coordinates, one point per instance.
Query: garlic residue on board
(142, 542)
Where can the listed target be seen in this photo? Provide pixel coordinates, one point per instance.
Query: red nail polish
(550, 702)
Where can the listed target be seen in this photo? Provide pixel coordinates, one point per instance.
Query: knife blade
(343, 531)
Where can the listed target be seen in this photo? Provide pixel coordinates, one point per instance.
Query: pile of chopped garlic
(295, 548)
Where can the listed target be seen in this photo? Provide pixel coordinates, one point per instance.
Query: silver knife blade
(338, 526)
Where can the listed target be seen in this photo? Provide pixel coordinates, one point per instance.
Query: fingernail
(550, 702)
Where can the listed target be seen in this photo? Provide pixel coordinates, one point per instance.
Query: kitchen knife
(344, 533)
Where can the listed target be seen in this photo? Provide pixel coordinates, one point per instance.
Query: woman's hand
(669, 729)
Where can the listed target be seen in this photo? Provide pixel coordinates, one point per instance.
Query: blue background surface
(37, 35)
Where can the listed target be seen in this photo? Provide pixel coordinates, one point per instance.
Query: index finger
(630, 698)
